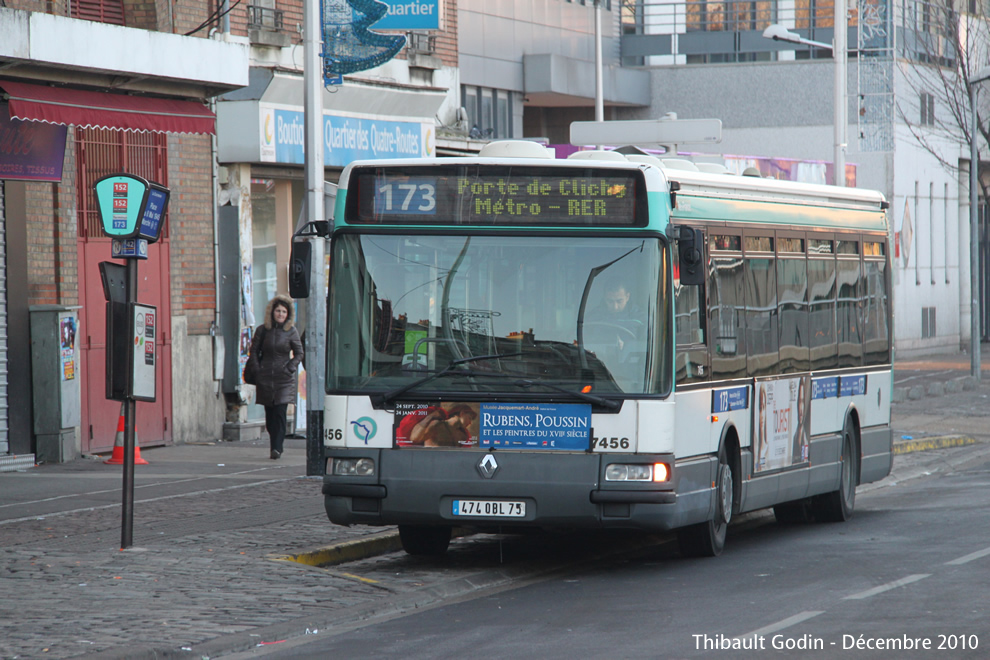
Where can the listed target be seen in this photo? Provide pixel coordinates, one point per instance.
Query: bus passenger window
(727, 301)
(821, 288)
(849, 323)
(762, 332)
(876, 333)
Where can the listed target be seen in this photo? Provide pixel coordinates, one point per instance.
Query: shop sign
(30, 150)
(345, 139)
(410, 15)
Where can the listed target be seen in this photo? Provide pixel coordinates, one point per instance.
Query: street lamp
(974, 225)
(839, 54)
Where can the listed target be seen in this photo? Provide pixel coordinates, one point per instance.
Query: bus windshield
(574, 313)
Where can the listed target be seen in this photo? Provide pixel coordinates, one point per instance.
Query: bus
(606, 341)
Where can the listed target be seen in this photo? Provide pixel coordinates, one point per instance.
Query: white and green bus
(601, 342)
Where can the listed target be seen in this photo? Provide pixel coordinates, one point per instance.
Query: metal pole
(839, 55)
(315, 304)
(130, 410)
(974, 237)
(599, 83)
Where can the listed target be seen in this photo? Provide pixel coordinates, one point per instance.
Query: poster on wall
(247, 294)
(67, 331)
(782, 421)
(244, 351)
(301, 401)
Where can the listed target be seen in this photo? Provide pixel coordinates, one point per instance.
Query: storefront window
(264, 258)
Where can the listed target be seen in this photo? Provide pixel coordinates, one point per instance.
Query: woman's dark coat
(277, 367)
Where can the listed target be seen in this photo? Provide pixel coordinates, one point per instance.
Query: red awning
(60, 105)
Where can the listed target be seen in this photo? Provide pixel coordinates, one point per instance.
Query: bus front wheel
(707, 539)
(424, 540)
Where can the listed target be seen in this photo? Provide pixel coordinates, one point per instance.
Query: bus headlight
(637, 472)
(353, 467)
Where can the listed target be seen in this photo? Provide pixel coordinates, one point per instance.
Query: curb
(934, 442)
(339, 553)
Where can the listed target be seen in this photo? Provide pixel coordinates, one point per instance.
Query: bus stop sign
(130, 206)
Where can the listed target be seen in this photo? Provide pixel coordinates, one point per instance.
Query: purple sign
(30, 150)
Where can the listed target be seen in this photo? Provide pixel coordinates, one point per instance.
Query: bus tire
(838, 505)
(707, 539)
(424, 540)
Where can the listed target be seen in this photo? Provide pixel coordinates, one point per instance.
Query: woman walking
(277, 352)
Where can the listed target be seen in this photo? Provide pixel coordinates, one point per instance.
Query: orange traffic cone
(118, 445)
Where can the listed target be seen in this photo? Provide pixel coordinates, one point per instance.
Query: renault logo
(487, 466)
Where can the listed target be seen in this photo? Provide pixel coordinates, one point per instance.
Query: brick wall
(52, 263)
(59, 7)
(191, 230)
(142, 14)
(446, 44)
(187, 15)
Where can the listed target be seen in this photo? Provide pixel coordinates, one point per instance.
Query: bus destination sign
(463, 195)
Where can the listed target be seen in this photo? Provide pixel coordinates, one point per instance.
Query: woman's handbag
(250, 374)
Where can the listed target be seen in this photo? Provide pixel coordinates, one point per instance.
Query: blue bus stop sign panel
(153, 212)
(120, 200)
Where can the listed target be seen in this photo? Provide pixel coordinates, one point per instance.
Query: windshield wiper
(451, 366)
(610, 404)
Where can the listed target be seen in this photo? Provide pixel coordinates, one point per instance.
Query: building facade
(395, 110)
(906, 135)
(90, 89)
(530, 71)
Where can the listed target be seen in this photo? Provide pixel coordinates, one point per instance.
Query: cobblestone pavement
(203, 579)
(201, 565)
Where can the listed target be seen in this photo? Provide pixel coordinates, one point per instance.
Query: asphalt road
(906, 575)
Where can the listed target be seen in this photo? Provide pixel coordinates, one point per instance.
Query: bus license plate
(490, 508)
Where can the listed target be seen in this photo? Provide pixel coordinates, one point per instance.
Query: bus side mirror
(691, 256)
(300, 261)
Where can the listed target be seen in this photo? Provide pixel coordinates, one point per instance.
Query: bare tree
(944, 45)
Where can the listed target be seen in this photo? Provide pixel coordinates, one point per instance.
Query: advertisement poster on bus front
(459, 424)
(781, 423)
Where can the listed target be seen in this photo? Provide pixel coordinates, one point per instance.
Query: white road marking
(968, 558)
(887, 587)
(780, 625)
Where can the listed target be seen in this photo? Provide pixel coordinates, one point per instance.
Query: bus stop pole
(314, 175)
(127, 512)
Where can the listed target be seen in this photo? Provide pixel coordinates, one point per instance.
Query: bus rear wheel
(424, 540)
(707, 539)
(838, 505)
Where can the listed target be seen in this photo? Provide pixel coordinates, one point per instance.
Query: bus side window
(690, 326)
(727, 307)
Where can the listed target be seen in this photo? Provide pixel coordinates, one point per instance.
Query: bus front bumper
(569, 490)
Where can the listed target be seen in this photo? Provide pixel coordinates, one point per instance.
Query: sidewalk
(209, 522)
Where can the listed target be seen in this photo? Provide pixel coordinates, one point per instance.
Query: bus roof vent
(514, 149)
(598, 155)
(679, 164)
(712, 168)
(645, 158)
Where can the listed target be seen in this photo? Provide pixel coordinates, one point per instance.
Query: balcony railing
(264, 18)
(420, 42)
